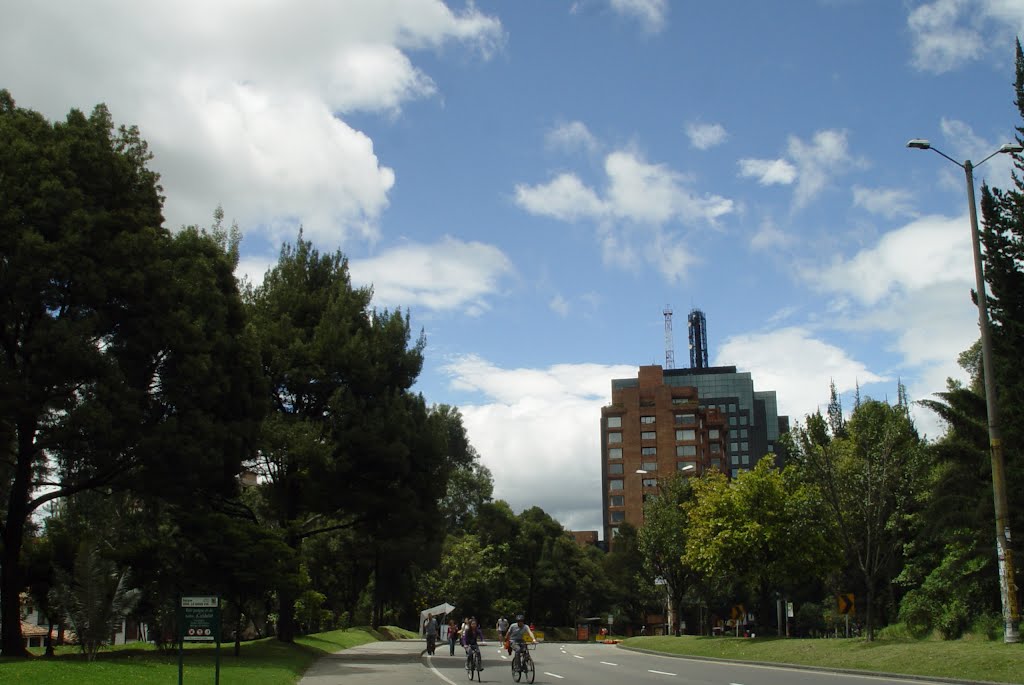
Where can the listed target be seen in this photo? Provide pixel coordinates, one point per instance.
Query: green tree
(869, 481)
(1003, 240)
(760, 529)
(663, 538)
(125, 360)
(347, 445)
(631, 589)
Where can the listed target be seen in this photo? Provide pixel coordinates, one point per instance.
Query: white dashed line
(555, 675)
(608, 663)
(659, 672)
(576, 656)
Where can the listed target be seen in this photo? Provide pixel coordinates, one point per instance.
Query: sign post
(199, 621)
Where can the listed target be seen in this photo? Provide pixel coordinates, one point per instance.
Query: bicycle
(522, 663)
(474, 663)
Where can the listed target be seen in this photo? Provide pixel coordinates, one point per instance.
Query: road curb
(827, 669)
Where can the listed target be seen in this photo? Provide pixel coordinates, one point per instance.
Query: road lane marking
(650, 670)
(553, 675)
(576, 656)
(608, 663)
(440, 675)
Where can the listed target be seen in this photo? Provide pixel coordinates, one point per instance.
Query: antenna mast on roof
(698, 339)
(670, 354)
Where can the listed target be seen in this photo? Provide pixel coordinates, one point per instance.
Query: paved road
(400, 663)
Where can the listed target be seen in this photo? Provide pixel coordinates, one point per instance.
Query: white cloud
(652, 13)
(769, 236)
(948, 34)
(889, 202)
(571, 136)
(253, 268)
(559, 305)
(640, 200)
(796, 365)
(768, 171)
(240, 101)
(922, 254)
(450, 274)
(564, 198)
(537, 430)
(705, 136)
(811, 165)
(940, 42)
(911, 291)
(817, 161)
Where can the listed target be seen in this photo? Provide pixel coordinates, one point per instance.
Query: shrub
(953, 619)
(916, 615)
(988, 626)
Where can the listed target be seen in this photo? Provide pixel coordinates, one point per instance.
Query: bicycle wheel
(470, 666)
(529, 669)
(478, 665)
(517, 673)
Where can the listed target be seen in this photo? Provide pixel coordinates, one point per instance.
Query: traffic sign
(737, 612)
(846, 603)
(200, 618)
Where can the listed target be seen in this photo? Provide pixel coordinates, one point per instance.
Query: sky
(535, 181)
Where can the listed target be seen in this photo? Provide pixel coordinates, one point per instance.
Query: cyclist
(516, 634)
(471, 638)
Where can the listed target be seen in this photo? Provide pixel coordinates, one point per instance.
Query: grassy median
(262, 662)
(967, 659)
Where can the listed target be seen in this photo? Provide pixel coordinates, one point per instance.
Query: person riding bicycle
(471, 638)
(516, 635)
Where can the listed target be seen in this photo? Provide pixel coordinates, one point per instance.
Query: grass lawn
(969, 659)
(263, 662)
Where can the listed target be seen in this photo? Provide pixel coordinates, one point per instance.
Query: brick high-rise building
(650, 430)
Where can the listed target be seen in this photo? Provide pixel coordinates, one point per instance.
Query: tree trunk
(286, 615)
(238, 630)
(11, 581)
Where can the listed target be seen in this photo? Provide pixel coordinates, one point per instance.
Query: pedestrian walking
(430, 630)
(453, 636)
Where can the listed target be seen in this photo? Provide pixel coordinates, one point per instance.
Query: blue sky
(535, 181)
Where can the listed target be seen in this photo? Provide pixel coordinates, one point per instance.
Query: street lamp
(1008, 590)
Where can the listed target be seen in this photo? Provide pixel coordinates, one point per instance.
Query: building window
(734, 460)
(615, 422)
(686, 450)
(734, 447)
(771, 448)
(615, 453)
(648, 435)
(686, 419)
(721, 408)
(732, 420)
(647, 451)
(686, 434)
(734, 472)
(745, 460)
(743, 420)
(650, 466)
(615, 484)
(618, 500)
(650, 482)
(615, 469)
(715, 448)
(744, 446)
(615, 532)
(646, 419)
(732, 408)
(618, 516)
(714, 434)
(686, 466)
(743, 432)
(614, 437)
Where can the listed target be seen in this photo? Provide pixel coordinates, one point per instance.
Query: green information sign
(198, 621)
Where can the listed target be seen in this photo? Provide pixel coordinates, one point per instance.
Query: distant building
(584, 537)
(688, 420)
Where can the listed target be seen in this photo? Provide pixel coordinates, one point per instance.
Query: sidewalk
(376, 663)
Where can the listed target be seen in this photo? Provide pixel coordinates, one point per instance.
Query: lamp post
(1008, 590)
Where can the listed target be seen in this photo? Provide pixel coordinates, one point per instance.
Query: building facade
(687, 420)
